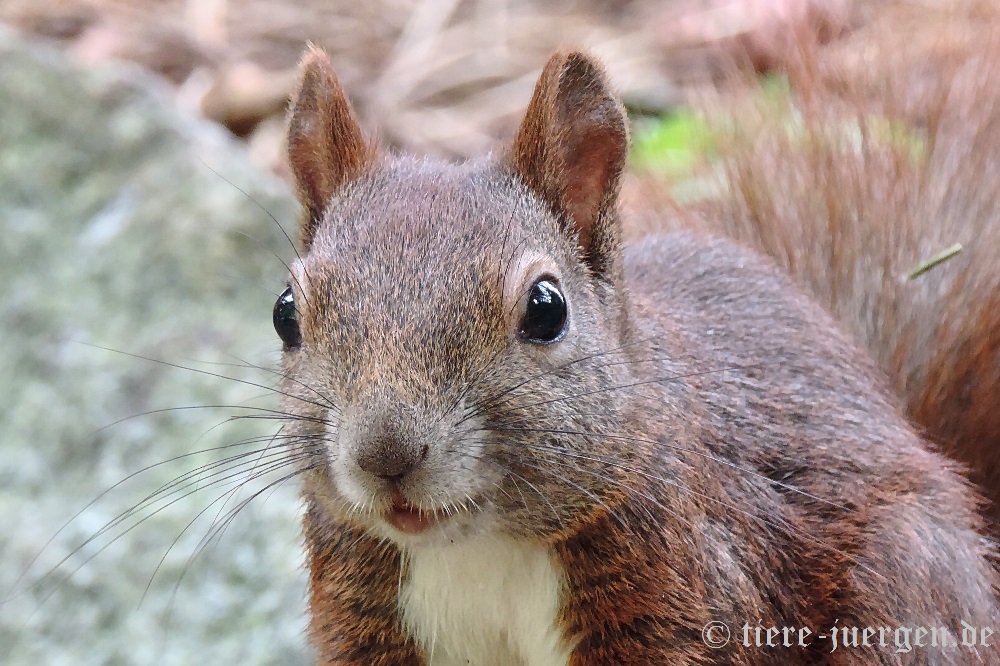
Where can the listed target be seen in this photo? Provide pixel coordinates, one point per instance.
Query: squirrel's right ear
(326, 148)
(571, 149)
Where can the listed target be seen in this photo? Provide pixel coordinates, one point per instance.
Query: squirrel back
(877, 187)
(523, 443)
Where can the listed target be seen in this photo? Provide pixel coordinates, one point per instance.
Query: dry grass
(444, 77)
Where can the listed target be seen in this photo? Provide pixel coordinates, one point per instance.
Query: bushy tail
(875, 181)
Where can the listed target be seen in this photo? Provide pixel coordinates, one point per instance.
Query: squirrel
(523, 441)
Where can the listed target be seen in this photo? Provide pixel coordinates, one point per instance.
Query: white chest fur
(488, 602)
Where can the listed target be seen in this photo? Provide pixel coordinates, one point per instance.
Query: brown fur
(851, 221)
(353, 597)
(703, 444)
(571, 150)
(326, 149)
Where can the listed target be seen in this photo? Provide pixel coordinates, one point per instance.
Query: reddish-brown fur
(897, 159)
(324, 158)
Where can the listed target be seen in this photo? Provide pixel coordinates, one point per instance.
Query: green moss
(674, 144)
(684, 145)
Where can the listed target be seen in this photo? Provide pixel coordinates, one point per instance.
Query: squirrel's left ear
(571, 150)
(326, 147)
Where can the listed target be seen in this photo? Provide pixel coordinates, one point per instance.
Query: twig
(940, 257)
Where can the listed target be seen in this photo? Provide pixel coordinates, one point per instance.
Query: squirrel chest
(491, 601)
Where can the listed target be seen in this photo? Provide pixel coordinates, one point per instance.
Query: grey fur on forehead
(425, 204)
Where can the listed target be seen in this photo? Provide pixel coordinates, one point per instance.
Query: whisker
(252, 469)
(708, 456)
(207, 373)
(645, 382)
(100, 550)
(285, 376)
(146, 503)
(277, 414)
(11, 595)
(210, 535)
(224, 498)
(540, 494)
(591, 495)
(259, 205)
(493, 401)
(780, 525)
(631, 491)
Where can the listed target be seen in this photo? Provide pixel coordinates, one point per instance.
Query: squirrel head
(449, 328)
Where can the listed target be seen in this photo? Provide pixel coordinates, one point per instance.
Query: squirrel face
(449, 327)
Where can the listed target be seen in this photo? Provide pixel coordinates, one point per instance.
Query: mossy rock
(124, 228)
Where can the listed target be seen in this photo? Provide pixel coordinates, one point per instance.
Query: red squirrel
(525, 442)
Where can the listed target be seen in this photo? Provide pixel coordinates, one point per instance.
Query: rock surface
(123, 227)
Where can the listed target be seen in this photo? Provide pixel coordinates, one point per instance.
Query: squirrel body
(526, 444)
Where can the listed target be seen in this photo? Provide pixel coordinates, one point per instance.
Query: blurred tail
(876, 183)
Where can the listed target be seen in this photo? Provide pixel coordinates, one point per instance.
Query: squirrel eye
(545, 313)
(286, 320)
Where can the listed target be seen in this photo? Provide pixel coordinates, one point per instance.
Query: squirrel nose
(390, 457)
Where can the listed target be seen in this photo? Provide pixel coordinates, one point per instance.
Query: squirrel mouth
(410, 519)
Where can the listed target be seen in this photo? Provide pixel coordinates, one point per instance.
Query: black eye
(286, 320)
(545, 313)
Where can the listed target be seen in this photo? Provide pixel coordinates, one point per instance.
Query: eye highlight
(286, 320)
(545, 312)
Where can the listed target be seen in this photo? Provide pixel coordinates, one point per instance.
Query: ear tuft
(326, 148)
(571, 150)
